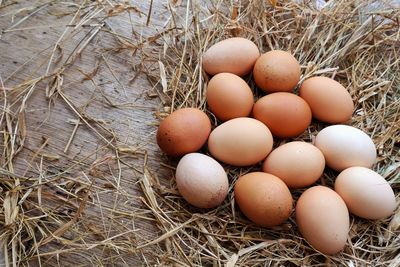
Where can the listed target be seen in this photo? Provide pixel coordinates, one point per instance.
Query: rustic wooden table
(85, 112)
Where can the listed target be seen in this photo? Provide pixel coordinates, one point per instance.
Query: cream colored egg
(229, 96)
(234, 55)
(366, 193)
(201, 180)
(345, 146)
(298, 164)
(240, 142)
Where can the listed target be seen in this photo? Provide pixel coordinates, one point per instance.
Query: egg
(201, 180)
(329, 101)
(263, 198)
(366, 193)
(298, 164)
(240, 142)
(285, 114)
(234, 55)
(229, 96)
(276, 71)
(183, 131)
(323, 219)
(345, 146)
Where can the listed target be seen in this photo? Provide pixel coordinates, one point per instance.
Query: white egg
(345, 146)
(201, 180)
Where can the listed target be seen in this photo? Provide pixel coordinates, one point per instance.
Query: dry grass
(47, 216)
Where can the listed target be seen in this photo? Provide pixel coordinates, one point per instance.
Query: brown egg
(298, 164)
(323, 219)
(276, 71)
(240, 142)
(183, 131)
(201, 180)
(234, 55)
(285, 114)
(229, 96)
(329, 100)
(263, 198)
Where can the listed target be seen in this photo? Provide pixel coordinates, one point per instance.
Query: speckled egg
(183, 131)
(263, 198)
(201, 180)
(276, 71)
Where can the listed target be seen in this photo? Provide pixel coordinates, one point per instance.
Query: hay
(46, 216)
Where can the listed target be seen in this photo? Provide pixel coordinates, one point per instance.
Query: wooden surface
(106, 93)
(82, 181)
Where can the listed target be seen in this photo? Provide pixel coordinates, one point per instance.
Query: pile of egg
(264, 197)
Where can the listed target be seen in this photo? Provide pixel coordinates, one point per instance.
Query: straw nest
(356, 42)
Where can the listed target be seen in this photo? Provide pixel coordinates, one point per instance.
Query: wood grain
(107, 86)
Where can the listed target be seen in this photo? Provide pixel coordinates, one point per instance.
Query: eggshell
(229, 96)
(263, 198)
(366, 193)
(323, 219)
(201, 180)
(298, 164)
(345, 146)
(234, 55)
(183, 131)
(329, 101)
(276, 71)
(240, 142)
(285, 114)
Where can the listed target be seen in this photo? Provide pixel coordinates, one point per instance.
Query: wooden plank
(104, 85)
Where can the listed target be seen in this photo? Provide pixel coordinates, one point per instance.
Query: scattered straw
(114, 205)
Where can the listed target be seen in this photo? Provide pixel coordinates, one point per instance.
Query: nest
(113, 207)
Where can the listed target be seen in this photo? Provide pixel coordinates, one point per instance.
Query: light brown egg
(183, 131)
(345, 146)
(285, 114)
(229, 96)
(298, 164)
(201, 180)
(366, 193)
(323, 219)
(329, 100)
(240, 142)
(234, 55)
(263, 198)
(276, 71)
